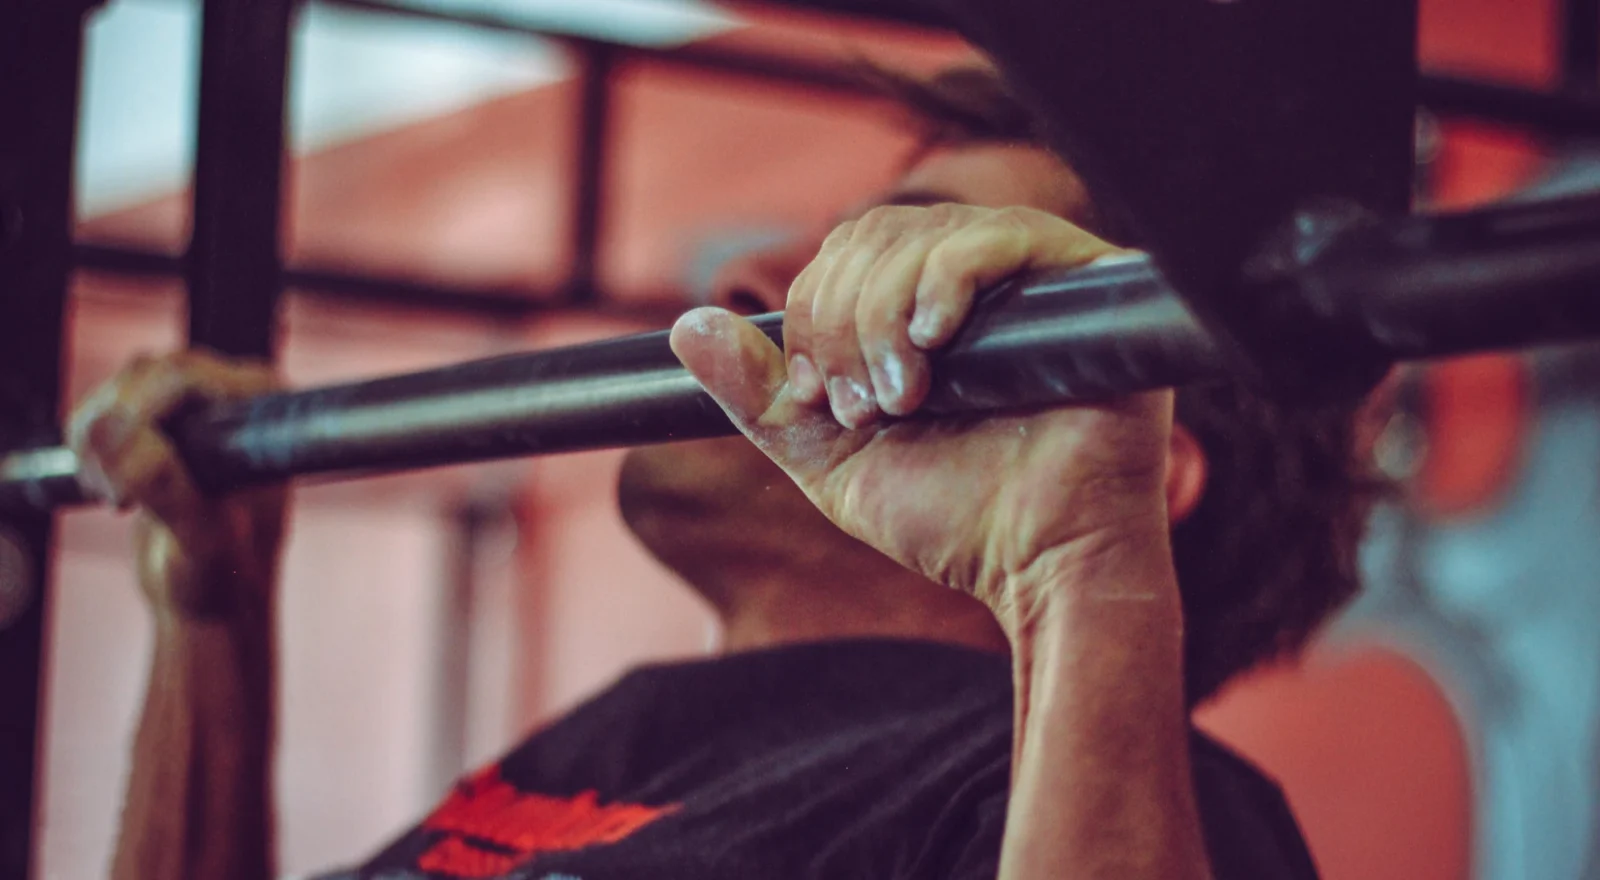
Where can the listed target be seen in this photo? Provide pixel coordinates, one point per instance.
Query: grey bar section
(1084, 334)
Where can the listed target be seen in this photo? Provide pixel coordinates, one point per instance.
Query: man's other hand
(996, 506)
(199, 556)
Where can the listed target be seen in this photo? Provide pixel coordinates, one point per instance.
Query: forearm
(1102, 784)
(199, 793)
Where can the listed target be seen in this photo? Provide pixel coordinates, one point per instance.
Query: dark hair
(1270, 551)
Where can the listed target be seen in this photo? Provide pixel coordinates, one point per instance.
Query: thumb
(733, 361)
(745, 373)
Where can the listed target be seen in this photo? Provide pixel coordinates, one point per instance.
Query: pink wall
(1363, 742)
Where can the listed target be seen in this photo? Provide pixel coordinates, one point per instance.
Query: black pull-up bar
(1507, 277)
(1088, 333)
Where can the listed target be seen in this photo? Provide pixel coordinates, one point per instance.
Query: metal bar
(343, 286)
(588, 197)
(1520, 274)
(1552, 114)
(41, 45)
(233, 266)
(1580, 45)
(916, 13)
(1247, 113)
(908, 12)
(1085, 334)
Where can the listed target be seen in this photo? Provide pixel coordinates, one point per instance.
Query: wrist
(1117, 572)
(225, 579)
(241, 640)
(225, 670)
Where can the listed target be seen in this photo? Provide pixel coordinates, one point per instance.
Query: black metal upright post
(41, 45)
(234, 263)
(588, 197)
(1580, 45)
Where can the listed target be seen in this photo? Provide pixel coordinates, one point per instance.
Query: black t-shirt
(870, 759)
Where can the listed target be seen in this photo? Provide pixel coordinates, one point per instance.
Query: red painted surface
(1369, 754)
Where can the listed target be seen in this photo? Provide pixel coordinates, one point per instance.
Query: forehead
(997, 176)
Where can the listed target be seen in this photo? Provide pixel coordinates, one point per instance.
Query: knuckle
(881, 217)
(887, 222)
(800, 292)
(1016, 214)
(946, 213)
(1012, 222)
(839, 235)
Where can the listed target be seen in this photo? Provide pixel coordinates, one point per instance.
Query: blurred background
(1445, 727)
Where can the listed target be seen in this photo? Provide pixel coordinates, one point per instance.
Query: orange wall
(1369, 754)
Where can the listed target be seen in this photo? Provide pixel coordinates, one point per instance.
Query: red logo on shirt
(492, 828)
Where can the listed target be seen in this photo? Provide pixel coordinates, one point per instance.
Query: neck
(781, 609)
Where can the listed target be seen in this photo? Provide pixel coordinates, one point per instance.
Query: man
(992, 677)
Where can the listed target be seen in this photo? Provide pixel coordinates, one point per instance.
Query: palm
(969, 502)
(965, 502)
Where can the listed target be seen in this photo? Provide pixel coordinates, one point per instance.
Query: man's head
(1266, 553)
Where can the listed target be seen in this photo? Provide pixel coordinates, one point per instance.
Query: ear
(1186, 474)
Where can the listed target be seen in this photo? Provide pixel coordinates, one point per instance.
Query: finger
(215, 377)
(744, 372)
(835, 343)
(985, 254)
(149, 473)
(119, 430)
(806, 382)
(899, 370)
(100, 421)
(111, 421)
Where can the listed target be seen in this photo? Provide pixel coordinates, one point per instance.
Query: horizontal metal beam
(1517, 275)
(916, 13)
(344, 286)
(1558, 114)
(1551, 114)
(1078, 334)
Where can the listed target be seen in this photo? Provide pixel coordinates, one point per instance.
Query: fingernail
(94, 481)
(889, 380)
(804, 379)
(852, 401)
(924, 329)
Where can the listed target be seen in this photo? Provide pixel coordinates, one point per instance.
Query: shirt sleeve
(1249, 828)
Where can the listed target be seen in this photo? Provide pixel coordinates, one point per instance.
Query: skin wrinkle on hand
(801, 445)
